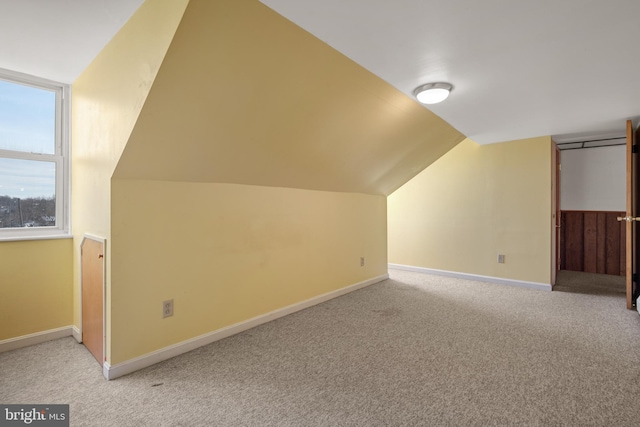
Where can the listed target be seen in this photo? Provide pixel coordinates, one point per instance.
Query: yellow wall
(473, 203)
(255, 177)
(245, 96)
(226, 253)
(36, 292)
(106, 101)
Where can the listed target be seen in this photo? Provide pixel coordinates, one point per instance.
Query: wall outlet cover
(167, 308)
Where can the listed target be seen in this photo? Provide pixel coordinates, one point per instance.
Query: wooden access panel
(593, 241)
(92, 260)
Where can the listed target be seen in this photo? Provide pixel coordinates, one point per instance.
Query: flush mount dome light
(432, 93)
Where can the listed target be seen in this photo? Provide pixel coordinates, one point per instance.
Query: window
(34, 157)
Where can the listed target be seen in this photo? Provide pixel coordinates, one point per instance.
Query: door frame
(635, 285)
(103, 241)
(555, 212)
(632, 177)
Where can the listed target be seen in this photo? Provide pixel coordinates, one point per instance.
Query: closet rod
(560, 144)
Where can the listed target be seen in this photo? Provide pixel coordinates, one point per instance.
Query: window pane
(27, 193)
(27, 118)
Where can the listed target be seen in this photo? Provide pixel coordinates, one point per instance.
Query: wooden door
(634, 290)
(630, 218)
(92, 261)
(557, 210)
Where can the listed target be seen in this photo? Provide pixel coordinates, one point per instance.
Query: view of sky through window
(27, 124)
(27, 178)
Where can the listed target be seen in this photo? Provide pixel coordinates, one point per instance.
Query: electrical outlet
(167, 308)
(500, 258)
(361, 261)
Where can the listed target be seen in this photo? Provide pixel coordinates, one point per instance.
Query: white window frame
(61, 157)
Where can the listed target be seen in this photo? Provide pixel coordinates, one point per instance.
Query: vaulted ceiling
(244, 96)
(519, 69)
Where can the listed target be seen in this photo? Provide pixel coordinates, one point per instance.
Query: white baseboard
(77, 334)
(129, 366)
(37, 338)
(476, 277)
(108, 372)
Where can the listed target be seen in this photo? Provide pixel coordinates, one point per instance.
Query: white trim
(48, 235)
(36, 338)
(106, 371)
(61, 157)
(132, 365)
(475, 277)
(94, 237)
(77, 334)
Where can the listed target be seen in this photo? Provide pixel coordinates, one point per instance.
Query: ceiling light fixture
(432, 93)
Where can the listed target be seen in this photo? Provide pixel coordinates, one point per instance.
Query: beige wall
(473, 203)
(106, 101)
(255, 177)
(245, 96)
(36, 286)
(227, 253)
(183, 144)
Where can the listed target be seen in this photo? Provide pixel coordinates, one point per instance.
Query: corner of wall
(106, 101)
(474, 203)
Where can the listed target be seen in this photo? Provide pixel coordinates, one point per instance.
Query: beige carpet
(590, 283)
(416, 350)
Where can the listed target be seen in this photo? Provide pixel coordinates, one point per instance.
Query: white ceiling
(57, 39)
(519, 68)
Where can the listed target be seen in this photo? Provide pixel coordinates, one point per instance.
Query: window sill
(13, 237)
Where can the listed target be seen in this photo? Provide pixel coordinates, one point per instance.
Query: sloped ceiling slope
(245, 96)
(57, 40)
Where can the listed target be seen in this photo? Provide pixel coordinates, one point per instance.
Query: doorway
(592, 195)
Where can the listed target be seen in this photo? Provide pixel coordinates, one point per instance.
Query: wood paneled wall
(593, 241)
